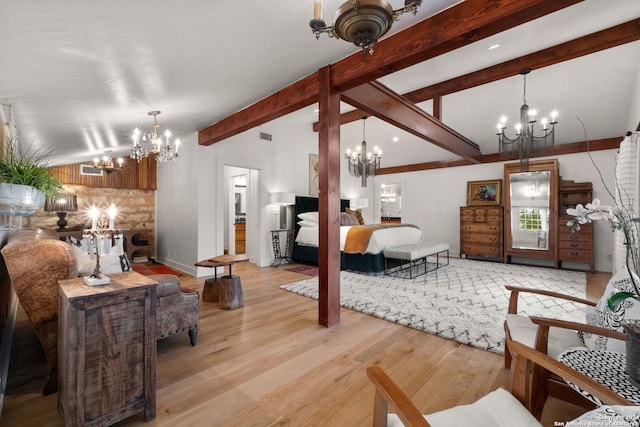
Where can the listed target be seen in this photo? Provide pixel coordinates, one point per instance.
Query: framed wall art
(314, 179)
(484, 193)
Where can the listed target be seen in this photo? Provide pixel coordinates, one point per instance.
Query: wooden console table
(107, 350)
(228, 290)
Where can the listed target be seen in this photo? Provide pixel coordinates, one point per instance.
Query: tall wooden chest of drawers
(107, 350)
(575, 247)
(481, 231)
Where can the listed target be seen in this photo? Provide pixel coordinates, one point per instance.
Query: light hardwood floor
(271, 364)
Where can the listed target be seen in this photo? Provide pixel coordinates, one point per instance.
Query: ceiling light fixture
(107, 163)
(161, 149)
(525, 144)
(361, 163)
(361, 22)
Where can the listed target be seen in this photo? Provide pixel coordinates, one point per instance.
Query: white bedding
(380, 239)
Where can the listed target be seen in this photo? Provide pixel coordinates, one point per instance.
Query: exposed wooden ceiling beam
(292, 98)
(377, 99)
(571, 148)
(462, 24)
(586, 45)
(458, 26)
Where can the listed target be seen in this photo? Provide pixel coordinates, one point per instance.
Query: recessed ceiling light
(395, 139)
(493, 46)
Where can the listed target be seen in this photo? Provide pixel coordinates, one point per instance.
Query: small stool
(230, 293)
(211, 290)
(212, 285)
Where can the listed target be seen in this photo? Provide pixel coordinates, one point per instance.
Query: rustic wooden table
(107, 349)
(228, 290)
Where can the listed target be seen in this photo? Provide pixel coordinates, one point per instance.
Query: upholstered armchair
(498, 408)
(177, 310)
(36, 260)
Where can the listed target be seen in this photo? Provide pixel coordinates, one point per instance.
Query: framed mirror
(530, 220)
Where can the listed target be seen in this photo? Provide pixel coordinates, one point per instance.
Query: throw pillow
(305, 223)
(600, 315)
(348, 219)
(111, 263)
(309, 216)
(86, 264)
(357, 213)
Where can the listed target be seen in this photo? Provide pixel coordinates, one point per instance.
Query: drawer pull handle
(574, 245)
(574, 237)
(574, 253)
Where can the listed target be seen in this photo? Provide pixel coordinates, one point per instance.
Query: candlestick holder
(100, 240)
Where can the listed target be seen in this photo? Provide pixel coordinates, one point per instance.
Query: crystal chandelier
(362, 163)
(107, 164)
(526, 144)
(361, 22)
(161, 146)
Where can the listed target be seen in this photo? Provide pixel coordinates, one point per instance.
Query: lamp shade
(61, 203)
(358, 203)
(283, 198)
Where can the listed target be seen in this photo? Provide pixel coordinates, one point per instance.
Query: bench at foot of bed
(415, 255)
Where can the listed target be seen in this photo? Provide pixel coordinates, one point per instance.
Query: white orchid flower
(597, 211)
(580, 213)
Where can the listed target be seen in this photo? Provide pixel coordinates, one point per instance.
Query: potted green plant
(25, 179)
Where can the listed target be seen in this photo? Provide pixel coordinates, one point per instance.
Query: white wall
(634, 108)
(433, 198)
(177, 229)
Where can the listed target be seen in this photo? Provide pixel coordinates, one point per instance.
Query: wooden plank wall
(135, 175)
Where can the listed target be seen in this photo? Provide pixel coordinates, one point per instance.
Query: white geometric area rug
(465, 301)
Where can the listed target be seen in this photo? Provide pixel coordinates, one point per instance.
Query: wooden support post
(329, 202)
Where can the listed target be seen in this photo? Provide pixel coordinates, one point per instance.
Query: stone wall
(136, 209)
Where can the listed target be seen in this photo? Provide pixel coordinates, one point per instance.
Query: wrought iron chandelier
(362, 163)
(107, 164)
(361, 22)
(161, 148)
(526, 144)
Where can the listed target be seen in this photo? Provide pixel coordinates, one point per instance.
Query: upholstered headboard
(310, 204)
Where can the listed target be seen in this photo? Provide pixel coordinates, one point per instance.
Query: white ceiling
(81, 77)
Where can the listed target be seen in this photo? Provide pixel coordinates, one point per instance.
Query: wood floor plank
(270, 364)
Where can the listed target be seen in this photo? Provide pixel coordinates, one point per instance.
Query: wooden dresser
(107, 350)
(574, 247)
(481, 231)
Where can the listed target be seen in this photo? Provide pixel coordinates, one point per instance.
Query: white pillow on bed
(309, 216)
(306, 223)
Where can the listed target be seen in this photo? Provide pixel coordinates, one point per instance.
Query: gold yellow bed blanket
(359, 235)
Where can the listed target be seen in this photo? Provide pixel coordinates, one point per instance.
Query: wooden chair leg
(380, 410)
(507, 353)
(507, 357)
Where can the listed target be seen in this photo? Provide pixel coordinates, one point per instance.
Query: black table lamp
(61, 203)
